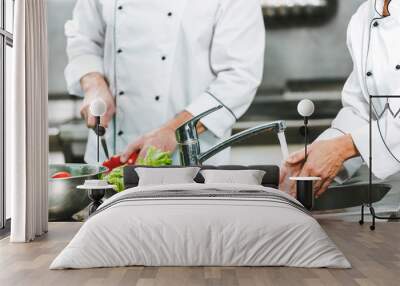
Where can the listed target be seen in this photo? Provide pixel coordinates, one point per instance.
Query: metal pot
(64, 198)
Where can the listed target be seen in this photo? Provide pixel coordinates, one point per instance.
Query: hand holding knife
(98, 109)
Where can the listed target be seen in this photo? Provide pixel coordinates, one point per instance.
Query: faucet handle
(188, 131)
(196, 119)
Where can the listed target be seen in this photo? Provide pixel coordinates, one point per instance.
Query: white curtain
(26, 115)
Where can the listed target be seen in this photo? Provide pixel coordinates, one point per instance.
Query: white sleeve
(237, 59)
(353, 119)
(85, 43)
(354, 113)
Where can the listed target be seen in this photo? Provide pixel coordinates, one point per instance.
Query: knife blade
(105, 148)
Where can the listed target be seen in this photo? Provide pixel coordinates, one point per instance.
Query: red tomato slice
(115, 161)
(61, 175)
(133, 158)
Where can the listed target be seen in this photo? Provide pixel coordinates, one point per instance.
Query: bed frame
(271, 178)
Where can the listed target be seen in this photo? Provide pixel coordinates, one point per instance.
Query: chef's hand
(163, 138)
(95, 86)
(325, 159)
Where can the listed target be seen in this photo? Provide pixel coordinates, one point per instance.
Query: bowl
(64, 198)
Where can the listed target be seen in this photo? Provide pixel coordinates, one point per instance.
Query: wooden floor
(375, 257)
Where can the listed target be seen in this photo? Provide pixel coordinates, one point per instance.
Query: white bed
(201, 225)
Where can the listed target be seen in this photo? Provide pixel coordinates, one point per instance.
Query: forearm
(347, 148)
(180, 119)
(93, 81)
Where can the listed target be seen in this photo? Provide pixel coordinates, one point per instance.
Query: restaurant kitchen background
(306, 57)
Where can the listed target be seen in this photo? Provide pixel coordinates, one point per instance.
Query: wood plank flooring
(375, 257)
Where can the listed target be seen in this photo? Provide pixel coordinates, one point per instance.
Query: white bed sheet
(191, 231)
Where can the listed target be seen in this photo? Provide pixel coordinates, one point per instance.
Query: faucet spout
(189, 145)
(276, 126)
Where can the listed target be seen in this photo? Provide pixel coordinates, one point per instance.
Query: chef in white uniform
(159, 63)
(374, 44)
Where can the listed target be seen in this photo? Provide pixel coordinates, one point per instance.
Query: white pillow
(243, 177)
(166, 176)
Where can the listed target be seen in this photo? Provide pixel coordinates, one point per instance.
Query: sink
(341, 197)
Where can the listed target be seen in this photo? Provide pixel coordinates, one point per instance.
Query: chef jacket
(163, 57)
(374, 45)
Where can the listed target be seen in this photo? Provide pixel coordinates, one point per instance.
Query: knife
(105, 148)
(101, 131)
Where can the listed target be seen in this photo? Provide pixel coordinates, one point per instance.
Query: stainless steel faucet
(189, 145)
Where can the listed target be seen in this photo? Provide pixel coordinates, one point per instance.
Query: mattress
(201, 225)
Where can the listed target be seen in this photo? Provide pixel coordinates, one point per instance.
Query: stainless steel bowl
(64, 198)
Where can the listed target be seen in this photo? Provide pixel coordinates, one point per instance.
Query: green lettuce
(153, 158)
(116, 178)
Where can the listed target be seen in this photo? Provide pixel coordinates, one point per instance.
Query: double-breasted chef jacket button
(163, 58)
(398, 67)
(369, 73)
(157, 97)
(119, 51)
(376, 24)
(120, 7)
(170, 14)
(121, 92)
(120, 133)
